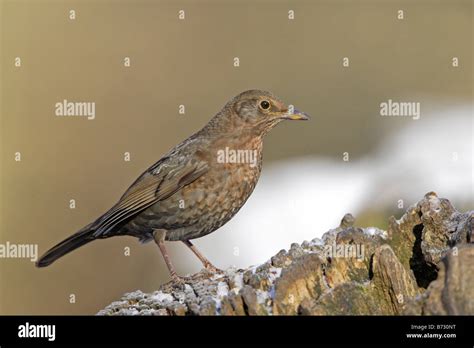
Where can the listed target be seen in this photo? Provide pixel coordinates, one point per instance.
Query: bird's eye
(265, 105)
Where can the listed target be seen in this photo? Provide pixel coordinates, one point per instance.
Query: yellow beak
(298, 116)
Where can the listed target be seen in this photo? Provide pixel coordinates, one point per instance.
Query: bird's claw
(212, 269)
(177, 281)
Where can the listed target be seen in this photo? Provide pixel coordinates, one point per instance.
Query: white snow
(374, 231)
(238, 281)
(222, 289)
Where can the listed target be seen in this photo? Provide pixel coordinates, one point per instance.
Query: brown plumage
(197, 187)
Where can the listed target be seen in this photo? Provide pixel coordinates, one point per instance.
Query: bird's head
(258, 111)
(262, 111)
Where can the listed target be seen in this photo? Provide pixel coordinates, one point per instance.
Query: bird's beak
(297, 116)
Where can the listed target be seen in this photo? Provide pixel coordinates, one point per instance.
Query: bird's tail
(71, 243)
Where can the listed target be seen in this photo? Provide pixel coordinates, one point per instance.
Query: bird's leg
(159, 237)
(206, 263)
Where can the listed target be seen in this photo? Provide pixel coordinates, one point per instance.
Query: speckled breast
(207, 203)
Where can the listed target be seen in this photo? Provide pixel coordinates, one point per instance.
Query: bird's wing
(161, 181)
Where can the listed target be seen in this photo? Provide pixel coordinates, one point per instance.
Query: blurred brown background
(190, 62)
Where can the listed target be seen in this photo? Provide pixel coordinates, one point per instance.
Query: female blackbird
(197, 187)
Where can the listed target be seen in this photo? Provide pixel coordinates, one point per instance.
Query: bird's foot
(177, 281)
(212, 269)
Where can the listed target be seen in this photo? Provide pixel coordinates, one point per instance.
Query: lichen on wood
(422, 265)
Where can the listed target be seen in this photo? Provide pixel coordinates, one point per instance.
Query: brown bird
(197, 187)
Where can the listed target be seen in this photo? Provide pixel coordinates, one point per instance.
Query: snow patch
(222, 289)
(374, 231)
